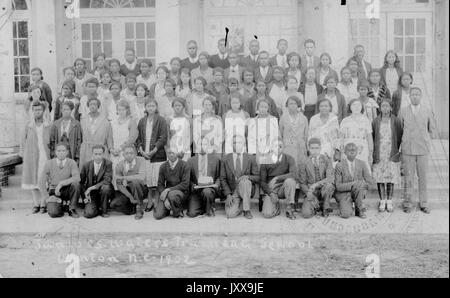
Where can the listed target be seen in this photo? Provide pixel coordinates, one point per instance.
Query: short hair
(62, 144)
(68, 68)
(351, 144)
(415, 88)
(151, 100)
(146, 61)
(295, 99)
(363, 84)
(69, 104)
(41, 104)
(185, 71)
(233, 53)
(204, 54)
(163, 67)
(405, 74)
(91, 81)
(263, 52)
(327, 101)
(143, 86)
(130, 76)
(281, 40)
(372, 71)
(98, 146)
(314, 141)
(220, 40)
(352, 59)
(94, 99)
(129, 145)
(202, 79)
(103, 72)
(130, 50)
(69, 83)
(114, 60)
(79, 60)
(192, 42)
(246, 70)
(294, 54)
(358, 46)
(175, 59)
(351, 102)
(114, 83)
(309, 40)
(386, 99)
(262, 101)
(124, 104)
(218, 69)
(208, 98)
(291, 78)
(329, 77)
(172, 82)
(180, 100)
(37, 69)
(97, 55)
(233, 81)
(310, 68)
(324, 55)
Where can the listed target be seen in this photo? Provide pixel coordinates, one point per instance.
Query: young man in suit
(418, 126)
(60, 183)
(280, 59)
(234, 70)
(96, 184)
(130, 181)
(263, 71)
(239, 177)
(68, 130)
(278, 181)
(205, 171)
(131, 64)
(191, 61)
(316, 177)
(364, 66)
(352, 179)
(309, 59)
(251, 61)
(173, 186)
(220, 59)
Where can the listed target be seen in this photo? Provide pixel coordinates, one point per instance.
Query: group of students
(125, 138)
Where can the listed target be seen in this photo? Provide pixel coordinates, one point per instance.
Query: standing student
(352, 180)
(346, 86)
(175, 68)
(324, 70)
(68, 130)
(339, 106)
(363, 65)
(146, 76)
(294, 68)
(248, 86)
(36, 96)
(99, 65)
(137, 104)
(131, 186)
(35, 151)
(220, 59)
(103, 91)
(310, 90)
(96, 184)
(280, 59)
(387, 135)
(378, 90)
(391, 71)
(180, 132)
(60, 184)
(277, 89)
(235, 122)
(157, 90)
(191, 61)
(131, 64)
(316, 179)
(111, 101)
(251, 106)
(152, 137)
(67, 94)
(418, 126)
(173, 186)
(203, 70)
(130, 91)
(165, 102)
(116, 76)
(400, 98)
(263, 71)
(37, 79)
(82, 75)
(234, 70)
(184, 86)
(69, 73)
(218, 89)
(370, 106)
(356, 76)
(90, 87)
(195, 100)
(292, 90)
(294, 130)
(309, 59)
(96, 130)
(251, 61)
(208, 123)
(239, 178)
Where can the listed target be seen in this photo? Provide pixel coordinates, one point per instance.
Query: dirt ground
(240, 255)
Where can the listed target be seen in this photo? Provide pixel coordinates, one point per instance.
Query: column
(167, 30)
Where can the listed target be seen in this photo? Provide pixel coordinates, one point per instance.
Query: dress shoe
(35, 210)
(73, 213)
(382, 206)
(362, 214)
(105, 214)
(326, 213)
(425, 210)
(297, 207)
(43, 210)
(389, 206)
(290, 212)
(138, 216)
(248, 215)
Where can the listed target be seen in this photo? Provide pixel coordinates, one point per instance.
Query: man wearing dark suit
(364, 66)
(191, 61)
(309, 59)
(352, 180)
(280, 59)
(263, 71)
(205, 170)
(251, 61)
(316, 177)
(96, 184)
(220, 59)
(239, 177)
(234, 70)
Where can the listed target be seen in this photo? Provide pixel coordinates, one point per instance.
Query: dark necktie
(238, 166)
(316, 170)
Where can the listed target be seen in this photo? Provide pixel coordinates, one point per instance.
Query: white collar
(236, 67)
(131, 66)
(173, 164)
(58, 161)
(193, 60)
(98, 164)
(223, 56)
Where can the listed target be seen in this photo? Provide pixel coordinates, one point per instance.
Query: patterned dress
(294, 131)
(386, 171)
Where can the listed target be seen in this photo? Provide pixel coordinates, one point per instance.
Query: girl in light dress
(184, 87)
(138, 102)
(277, 89)
(294, 62)
(208, 123)
(234, 122)
(130, 91)
(36, 96)
(116, 76)
(180, 132)
(324, 70)
(195, 101)
(165, 102)
(103, 89)
(111, 101)
(157, 90)
(346, 86)
(391, 71)
(99, 65)
(292, 90)
(370, 106)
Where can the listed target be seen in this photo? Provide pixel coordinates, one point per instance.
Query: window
(95, 38)
(21, 56)
(367, 33)
(140, 36)
(20, 5)
(409, 43)
(117, 3)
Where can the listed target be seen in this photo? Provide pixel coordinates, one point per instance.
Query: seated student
(352, 179)
(316, 177)
(130, 181)
(60, 183)
(278, 182)
(173, 185)
(68, 130)
(96, 184)
(239, 177)
(205, 171)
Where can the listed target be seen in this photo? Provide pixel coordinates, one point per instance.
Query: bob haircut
(179, 100)
(315, 141)
(327, 101)
(130, 76)
(350, 104)
(202, 79)
(91, 81)
(401, 77)
(68, 104)
(294, 99)
(124, 104)
(99, 103)
(62, 144)
(98, 146)
(324, 55)
(294, 54)
(396, 62)
(146, 61)
(141, 85)
(40, 72)
(114, 83)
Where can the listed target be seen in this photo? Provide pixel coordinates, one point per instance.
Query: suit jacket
(344, 181)
(397, 101)
(342, 105)
(258, 76)
(75, 138)
(301, 89)
(104, 176)
(307, 176)
(416, 138)
(248, 63)
(273, 61)
(159, 137)
(228, 179)
(361, 69)
(213, 169)
(226, 74)
(216, 61)
(316, 61)
(284, 170)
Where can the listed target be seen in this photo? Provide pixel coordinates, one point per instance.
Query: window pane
(150, 48)
(16, 84)
(140, 48)
(24, 66)
(139, 3)
(23, 29)
(89, 64)
(16, 66)
(409, 27)
(420, 45)
(85, 32)
(86, 50)
(150, 3)
(140, 30)
(151, 30)
(409, 63)
(14, 29)
(398, 27)
(84, 3)
(409, 45)
(108, 49)
(96, 32)
(20, 5)
(23, 47)
(16, 50)
(375, 46)
(107, 34)
(97, 4)
(24, 83)
(129, 45)
(420, 26)
(420, 63)
(363, 27)
(97, 47)
(129, 31)
(398, 45)
(375, 28)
